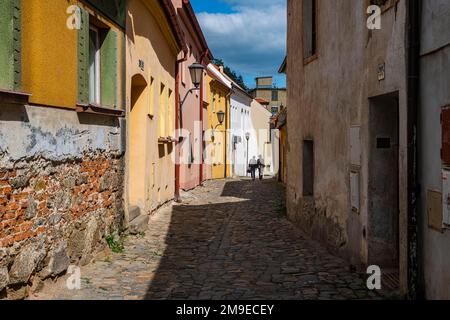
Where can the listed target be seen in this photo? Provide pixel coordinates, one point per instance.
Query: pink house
(193, 116)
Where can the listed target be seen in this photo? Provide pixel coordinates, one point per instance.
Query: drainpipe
(414, 220)
(177, 126)
(202, 89)
(226, 129)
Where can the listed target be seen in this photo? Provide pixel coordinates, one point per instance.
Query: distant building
(218, 91)
(267, 94)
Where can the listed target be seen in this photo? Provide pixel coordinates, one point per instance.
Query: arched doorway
(138, 136)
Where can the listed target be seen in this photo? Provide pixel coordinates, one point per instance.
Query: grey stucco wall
(329, 95)
(55, 134)
(435, 94)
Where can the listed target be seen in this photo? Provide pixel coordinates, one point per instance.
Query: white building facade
(240, 126)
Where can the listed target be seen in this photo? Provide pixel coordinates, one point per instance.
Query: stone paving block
(227, 242)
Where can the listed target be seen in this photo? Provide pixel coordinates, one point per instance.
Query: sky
(248, 35)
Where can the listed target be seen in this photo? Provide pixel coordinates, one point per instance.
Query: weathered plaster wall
(435, 94)
(328, 96)
(60, 189)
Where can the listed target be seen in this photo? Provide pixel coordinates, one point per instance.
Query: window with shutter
(10, 48)
(98, 73)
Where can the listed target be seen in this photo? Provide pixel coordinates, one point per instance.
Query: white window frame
(97, 93)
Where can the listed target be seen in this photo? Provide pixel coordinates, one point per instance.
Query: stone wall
(61, 189)
(55, 214)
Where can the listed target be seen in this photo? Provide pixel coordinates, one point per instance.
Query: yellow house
(218, 97)
(153, 43)
(57, 38)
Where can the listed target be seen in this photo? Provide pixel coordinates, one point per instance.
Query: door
(383, 220)
(138, 134)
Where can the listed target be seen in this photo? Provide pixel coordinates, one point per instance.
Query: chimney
(221, 69)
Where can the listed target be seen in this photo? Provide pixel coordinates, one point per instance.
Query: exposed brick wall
(56, 208)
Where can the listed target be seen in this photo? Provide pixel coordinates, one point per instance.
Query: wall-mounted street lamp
(196, 71)
(221, 119)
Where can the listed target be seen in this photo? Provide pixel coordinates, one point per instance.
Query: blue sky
(249, 35)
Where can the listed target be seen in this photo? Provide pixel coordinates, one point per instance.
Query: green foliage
(232, 74)
(115, 241)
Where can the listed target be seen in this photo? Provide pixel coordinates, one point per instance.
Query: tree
(232, 74)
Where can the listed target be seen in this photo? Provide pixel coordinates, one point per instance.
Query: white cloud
(252, 39)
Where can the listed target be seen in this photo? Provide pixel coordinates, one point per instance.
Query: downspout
(414, 220)
(177, 126)
(202, 156)
(227, 126)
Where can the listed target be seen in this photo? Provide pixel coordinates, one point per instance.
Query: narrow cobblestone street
(228, 240)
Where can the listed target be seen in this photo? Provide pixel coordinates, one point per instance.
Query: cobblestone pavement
(228, 240)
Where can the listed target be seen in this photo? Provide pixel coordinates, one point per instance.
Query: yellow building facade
(55, 54)
(218, 97)
(153, 43)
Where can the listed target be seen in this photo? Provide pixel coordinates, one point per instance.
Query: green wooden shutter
(83, 58)
(10, 53)
(17, 40)
(123, 87)
(108, 73)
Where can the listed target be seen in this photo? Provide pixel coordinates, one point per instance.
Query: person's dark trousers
(253, 172)
(261, 172)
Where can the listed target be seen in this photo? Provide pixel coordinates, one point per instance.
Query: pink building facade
(193, 116)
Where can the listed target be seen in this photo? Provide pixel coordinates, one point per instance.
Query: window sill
(166, 140)
(310, 59)
(14, 97)
(100, 110)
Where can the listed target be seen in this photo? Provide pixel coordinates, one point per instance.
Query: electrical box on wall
(446, 198)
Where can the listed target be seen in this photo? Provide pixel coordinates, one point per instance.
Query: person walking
(261, 166)
(253, 165)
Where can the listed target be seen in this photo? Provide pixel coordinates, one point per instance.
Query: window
(274, 110)
(170, 124)
(309, 28)
(308, 168)
(162, 111)
(98, 71)
(274, 95)
(94, 65)
(213, 102)
(151, 107)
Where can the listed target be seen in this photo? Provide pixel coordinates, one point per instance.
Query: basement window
(308, 168)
